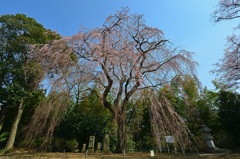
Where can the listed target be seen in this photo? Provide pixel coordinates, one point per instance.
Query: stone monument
(91, 144)
(106, 150)
(83, 148)
(99, 145)
(208, 138)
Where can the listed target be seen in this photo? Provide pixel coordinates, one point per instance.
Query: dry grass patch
(138, 155)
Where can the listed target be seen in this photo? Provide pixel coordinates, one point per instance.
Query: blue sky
(186, 23)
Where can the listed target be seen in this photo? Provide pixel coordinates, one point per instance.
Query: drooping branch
(166, 122)
(46, 118)
(228, 69)
(227, 10)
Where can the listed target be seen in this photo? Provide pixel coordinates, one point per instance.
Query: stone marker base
(91, 151)
(106, 152)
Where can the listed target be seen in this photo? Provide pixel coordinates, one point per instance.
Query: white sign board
(151, 153)
(169, 139)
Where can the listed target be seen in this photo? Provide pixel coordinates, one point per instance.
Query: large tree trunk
(13, 132)
(122, 134)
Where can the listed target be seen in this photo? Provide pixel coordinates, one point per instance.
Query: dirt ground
(137, 155)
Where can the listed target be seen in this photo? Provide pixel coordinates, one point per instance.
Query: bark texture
(13, 132)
